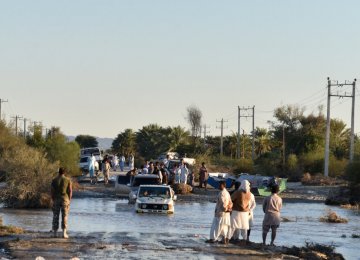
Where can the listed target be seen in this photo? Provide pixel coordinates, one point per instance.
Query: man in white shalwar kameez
(251, 215)
(221, 223)
(241, 210)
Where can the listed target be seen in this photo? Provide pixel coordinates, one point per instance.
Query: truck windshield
(89, 151)
(145, 181)
(163, 192)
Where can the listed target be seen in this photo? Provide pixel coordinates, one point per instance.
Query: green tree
(125, 143)
(263, 142)
(339, 138)
(85, 141)
(58, 149)
(36, 139)
(178, 135)
(152, 140)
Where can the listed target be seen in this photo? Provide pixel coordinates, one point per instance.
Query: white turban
(245, 186)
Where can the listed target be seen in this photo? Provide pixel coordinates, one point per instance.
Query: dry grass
(315, 252)
(349, 206)
(9, 230)
(332, 217)
(320, 180)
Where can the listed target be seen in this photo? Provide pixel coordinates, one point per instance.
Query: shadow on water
(193, 220)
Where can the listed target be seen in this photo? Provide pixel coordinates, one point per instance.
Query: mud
(128, 246)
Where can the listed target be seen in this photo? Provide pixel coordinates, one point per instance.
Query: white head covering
(245, 186)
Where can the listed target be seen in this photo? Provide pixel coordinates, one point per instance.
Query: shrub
(244, 166)
(332, 217)
(28, 173)
(353, 172)
(268, 164)
(337, 167)
(312, 162)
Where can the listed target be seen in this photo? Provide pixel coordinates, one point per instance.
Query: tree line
(292, 145)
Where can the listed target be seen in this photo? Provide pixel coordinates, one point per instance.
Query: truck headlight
(165, 207)
(143, 206)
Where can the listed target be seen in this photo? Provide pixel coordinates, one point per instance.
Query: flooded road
(191, 222)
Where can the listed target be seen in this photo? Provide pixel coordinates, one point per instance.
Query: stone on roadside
(182, 188)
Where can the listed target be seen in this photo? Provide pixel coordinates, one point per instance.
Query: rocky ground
(124, 245)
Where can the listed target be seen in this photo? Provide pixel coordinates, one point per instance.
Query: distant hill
(104, 143)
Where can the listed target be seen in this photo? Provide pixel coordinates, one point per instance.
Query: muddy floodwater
(191, 222)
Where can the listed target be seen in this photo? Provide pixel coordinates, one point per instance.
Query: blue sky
(98, 67)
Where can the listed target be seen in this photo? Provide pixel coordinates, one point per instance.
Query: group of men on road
(234, 214)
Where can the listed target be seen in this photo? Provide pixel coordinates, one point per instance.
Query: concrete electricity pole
(16, 123)
(328, 120)
(222, 135)
(253, 134)
(25, 128)
(252, 115)
(238, 135)
(206, 132)
(2, 101)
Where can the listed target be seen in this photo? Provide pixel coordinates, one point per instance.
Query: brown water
(191, 223)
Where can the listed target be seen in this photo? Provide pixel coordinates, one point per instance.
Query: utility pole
(328, 119)
(283, 147)
(238, 135)
(2, 101)
(222, 135)
(243, 145)
(352, 121)
(246, 115)
(16, 123)
(206, 132)
(25, 128)
(253, 134)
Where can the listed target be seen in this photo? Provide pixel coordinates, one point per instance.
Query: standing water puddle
(193, 220)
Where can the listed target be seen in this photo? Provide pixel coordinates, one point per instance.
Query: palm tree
(262, 141)
(340, 138)
(177, 136)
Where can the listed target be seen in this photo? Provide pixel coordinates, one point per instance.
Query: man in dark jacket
(61, 194)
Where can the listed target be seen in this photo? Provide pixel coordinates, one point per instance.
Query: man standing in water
(203, 176)
(61, 194)
(221, 222)
(271, 207)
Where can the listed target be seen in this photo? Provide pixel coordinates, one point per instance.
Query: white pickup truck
(154, 199)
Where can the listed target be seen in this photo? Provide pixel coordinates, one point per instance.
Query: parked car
(125, 184)
(96, 151)
(154, 199)
(84, 164)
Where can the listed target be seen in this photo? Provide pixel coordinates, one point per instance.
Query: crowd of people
(234, 214)
(179, 173)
